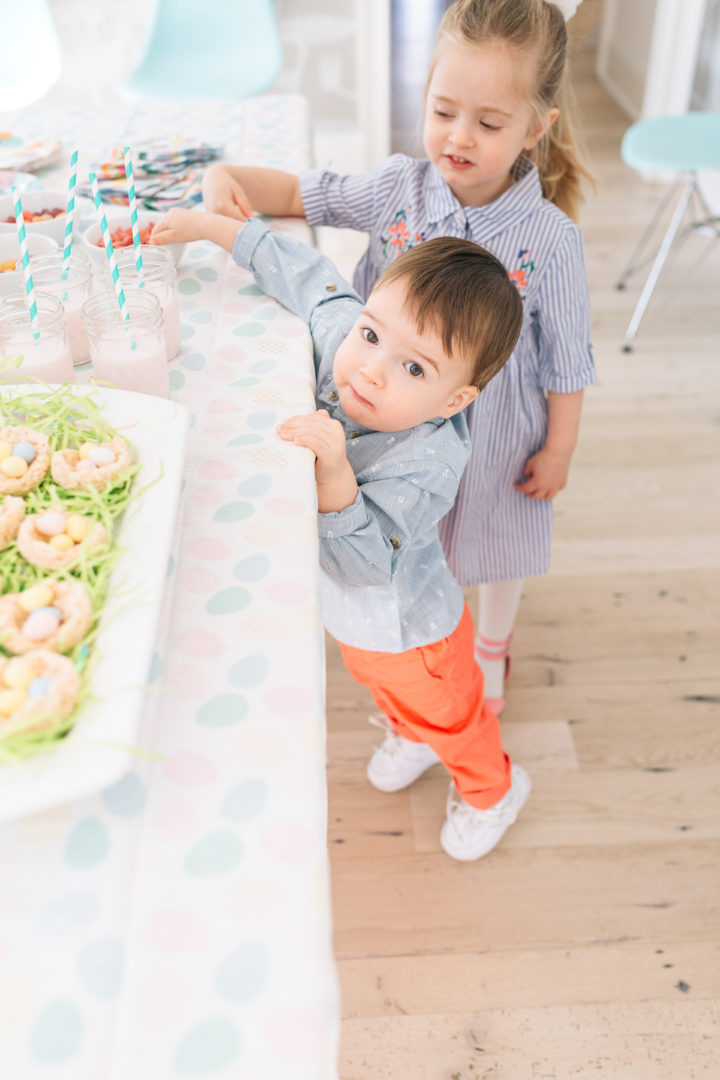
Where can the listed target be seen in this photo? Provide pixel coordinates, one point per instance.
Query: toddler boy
(391, 442)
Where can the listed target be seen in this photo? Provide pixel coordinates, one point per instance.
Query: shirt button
(333, 395)
(396, 542)
(331, 288)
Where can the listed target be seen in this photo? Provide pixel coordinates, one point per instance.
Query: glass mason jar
(160, 278)
(129, 357)
(46, 357)
(74, 291)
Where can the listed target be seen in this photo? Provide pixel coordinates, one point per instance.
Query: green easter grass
(68, 419)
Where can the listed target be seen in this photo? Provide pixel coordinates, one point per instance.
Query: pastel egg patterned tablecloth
(178, 924)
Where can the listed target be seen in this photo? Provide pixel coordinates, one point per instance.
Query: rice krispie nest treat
(53, 614)
(24, 459)
(36, 691)
(92, 465)
(47, 539)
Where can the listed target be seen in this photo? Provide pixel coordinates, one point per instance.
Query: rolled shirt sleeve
(562, 321)
(355, 201)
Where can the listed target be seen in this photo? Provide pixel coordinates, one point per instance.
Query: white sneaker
(469, 833)
(398, 762)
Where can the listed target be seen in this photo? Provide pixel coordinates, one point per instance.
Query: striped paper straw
(132, 202)
(109, 251)
(25, 260)
(70, 214)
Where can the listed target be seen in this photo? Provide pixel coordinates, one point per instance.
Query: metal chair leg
(659, 262)
(635, 262)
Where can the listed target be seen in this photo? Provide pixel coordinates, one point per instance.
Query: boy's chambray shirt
(384, 582)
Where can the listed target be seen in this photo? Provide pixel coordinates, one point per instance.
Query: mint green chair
(199, 50)
(685, 145)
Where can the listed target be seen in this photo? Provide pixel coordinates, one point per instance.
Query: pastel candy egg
(35, 597)
(26, 451)
(5, 450)
(41, 624)
(39, 687)
(50, 523)
(86, 449)
(62, 542)
(14, 467)
(49, 609)
(10, 701)
(101, 455)
(77, 527)
(18, 673)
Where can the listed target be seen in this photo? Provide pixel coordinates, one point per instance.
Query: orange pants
(434, 694)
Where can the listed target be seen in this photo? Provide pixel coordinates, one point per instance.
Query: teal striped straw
(70, 214)
(110, 252)
(132, 202)
(25, 260)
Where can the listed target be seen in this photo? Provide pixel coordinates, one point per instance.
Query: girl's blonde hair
(538, 28)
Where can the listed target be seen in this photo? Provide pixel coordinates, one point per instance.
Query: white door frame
(373, 79)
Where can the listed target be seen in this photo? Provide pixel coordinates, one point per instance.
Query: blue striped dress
(493, 532)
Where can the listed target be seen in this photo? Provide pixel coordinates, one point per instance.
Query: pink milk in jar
(43, 350)
(132, 355)
(159, 277)
(73, 290)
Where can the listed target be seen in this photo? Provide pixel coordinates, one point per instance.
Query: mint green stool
(200, 50)
(684, 144)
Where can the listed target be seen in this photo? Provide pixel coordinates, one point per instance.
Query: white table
(178, 924)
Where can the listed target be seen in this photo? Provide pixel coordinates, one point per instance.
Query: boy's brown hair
(465, 295)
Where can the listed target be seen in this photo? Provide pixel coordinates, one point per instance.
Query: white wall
(648, 53)
(624, 51)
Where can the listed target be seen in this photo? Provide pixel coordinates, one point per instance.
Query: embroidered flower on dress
(519, 277)
(399, 238)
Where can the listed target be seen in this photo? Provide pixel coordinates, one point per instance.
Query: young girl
(501, 170)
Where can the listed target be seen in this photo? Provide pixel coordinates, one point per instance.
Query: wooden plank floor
(588, 944)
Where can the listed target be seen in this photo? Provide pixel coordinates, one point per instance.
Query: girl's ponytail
(558, 158)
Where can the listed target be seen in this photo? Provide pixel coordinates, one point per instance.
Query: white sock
(498, 605)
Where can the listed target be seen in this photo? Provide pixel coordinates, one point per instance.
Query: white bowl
(33, 202)
(12, 281)
(116, 219)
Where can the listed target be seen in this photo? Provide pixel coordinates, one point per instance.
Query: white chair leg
(658, 264)
(635, 262)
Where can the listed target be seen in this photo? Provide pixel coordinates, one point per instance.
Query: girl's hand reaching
(223, 195)
(336, 484)
(546, 473)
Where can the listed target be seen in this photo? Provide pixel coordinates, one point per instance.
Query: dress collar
(512, 206)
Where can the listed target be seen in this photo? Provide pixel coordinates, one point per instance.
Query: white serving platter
(100, 747)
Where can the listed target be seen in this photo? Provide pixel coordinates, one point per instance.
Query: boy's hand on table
(179, 227)
(546, 474)
(183, 226)
(336, 484)
(223, 195)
